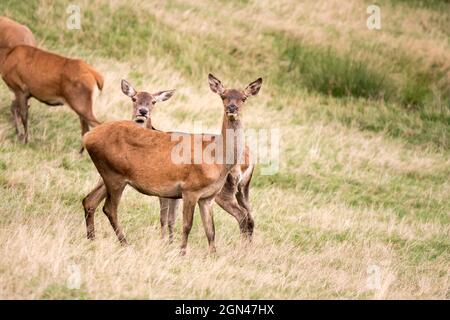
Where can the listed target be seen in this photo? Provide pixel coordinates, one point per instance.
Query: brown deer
(124, 154)
(13, 34)
(233, 197)
(143, 103)
(51, 79)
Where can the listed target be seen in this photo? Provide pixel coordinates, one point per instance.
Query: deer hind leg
(90, 204)
(113, 196)
(81, 102)
(208, 221)
(227, 200)
(84, 129)
(189, 201)
(242, 197)
(173, 208)
(229, 203)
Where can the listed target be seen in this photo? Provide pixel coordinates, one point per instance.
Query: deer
(124, 154)
(52, 79)
(13, 34)
(233, 197)
(143, 103)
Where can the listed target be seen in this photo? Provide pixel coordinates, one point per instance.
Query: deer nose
(143, 111)
(232, 108)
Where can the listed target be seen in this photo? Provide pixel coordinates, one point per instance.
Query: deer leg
(208, 221)
(81, 103)
(242, 196)
(189, 202)
(90, 204)
(84, 129)
(23, 111)
(110, 209)
(230, 205)
(228, 201)
(163, 215)
(173, 208)
(15, 115)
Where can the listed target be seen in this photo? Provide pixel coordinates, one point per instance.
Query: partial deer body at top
(51, 79)
(13, 34)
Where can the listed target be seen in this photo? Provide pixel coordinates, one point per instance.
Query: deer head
(143, 102)
(233, 99)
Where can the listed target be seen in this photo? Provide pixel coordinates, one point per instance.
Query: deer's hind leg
(242, 197)
(227, 200)
(90, 204)
(81, 101)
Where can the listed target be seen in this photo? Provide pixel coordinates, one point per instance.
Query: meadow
(360, 206)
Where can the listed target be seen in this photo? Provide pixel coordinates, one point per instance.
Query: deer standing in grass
(143, 103)
(124, 154)
(51, 79)
(233, 197)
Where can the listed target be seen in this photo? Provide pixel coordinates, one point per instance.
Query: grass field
(360, 208)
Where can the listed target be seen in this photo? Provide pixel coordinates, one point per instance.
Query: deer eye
(134, 99)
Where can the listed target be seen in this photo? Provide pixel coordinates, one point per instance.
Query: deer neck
(233, 142)
(148, 123)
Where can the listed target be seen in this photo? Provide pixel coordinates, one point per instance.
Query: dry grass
(345, 199)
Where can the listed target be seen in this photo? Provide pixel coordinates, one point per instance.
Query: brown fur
(13, 34)
(51, 79)
(125, 154)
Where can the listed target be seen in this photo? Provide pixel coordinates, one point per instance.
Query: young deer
(125, 154)
(13, 34)
(143, 103)
(51, 79)
(233, 197)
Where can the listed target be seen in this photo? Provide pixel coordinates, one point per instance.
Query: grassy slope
(365, 163)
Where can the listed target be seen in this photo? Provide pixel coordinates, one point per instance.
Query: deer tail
(98, 78)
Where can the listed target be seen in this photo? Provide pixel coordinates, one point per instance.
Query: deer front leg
(163, 215)
(208, 221)
(15, 115)
(110, 209)
(23, 107)
(189, 202)
(90, 204)
(173, 209)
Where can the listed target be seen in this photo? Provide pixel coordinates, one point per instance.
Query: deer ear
(163, 95)
(253, 88)
(128, 89)
(215, 84)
